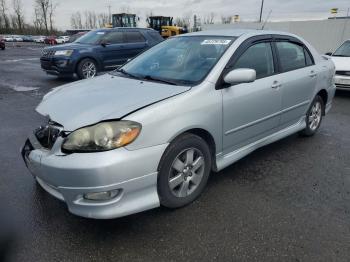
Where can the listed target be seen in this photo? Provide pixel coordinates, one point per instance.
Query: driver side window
(258, 57)
(114, 38)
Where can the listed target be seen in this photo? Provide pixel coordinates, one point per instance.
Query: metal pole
(109, 14)
(261, 10)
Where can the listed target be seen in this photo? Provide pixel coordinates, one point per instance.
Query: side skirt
(223, 161)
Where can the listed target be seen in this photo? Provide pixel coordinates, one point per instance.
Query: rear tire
(183, 171)
(314, 117)
(87, 68)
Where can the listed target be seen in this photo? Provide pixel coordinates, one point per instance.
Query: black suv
(97, 50)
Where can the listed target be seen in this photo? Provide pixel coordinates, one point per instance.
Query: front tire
(87, 68)
(183, 171)
(314, 117)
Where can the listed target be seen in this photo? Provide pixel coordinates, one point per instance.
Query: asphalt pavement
(289, 201)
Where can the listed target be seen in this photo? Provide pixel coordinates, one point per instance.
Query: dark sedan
(98, 50)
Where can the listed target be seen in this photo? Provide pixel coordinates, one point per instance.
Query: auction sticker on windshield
(216, 42)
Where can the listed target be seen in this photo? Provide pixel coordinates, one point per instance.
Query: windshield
(93, 37)
(343, 50)
(179, 60)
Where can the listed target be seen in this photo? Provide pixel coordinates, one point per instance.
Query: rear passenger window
(258, 57)
(291, 56)
(134, 37)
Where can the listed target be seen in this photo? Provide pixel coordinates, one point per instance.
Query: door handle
(313, 74)
(276, 85)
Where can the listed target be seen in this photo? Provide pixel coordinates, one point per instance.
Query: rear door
(251, 110)
(298, 79)
(135, 43)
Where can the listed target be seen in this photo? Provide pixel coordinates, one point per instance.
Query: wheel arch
(207, 137)
(324, 95)
(98, 63)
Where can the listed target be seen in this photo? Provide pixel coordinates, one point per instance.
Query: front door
(135, 43)
(113, 49)
(251, 111)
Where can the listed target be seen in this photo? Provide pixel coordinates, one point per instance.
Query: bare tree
(226, 19)
(102, 19)
(90, 19)
(209, 18)
(37, 20)
(43, 6)
(76, 21)
(17, 8)
(52, 9)
(13, 22)
(93, 19)
(3, 12)
(187, 19)
(73, 21)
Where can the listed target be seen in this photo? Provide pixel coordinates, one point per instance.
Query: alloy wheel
(186, 172)
(315, 116)
(89, 70)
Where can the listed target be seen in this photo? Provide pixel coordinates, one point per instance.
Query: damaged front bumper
(130, 175)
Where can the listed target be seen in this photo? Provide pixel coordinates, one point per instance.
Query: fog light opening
(102, 196)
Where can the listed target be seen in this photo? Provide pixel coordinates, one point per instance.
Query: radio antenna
(267, 18)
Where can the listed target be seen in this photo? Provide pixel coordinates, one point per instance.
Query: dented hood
(105, 97)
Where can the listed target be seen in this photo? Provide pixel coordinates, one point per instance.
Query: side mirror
(104, 43)
(239, 76)
(328, 53)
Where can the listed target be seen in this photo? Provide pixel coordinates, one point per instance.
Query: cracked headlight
(102, 137)
(64, 53)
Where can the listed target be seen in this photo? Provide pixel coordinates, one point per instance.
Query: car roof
(237, 32)
(123, 28)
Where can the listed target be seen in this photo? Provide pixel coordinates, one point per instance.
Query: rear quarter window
(155, 36)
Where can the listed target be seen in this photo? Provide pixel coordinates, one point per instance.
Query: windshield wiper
(341, 55)
(148, 77)
(127, 74)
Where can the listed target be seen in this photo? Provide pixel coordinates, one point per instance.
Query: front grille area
(47, 135)
(48, 53)
(342, 73)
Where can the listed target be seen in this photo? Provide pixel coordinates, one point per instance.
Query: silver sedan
(151, 132)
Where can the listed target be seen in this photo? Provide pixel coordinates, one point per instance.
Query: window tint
(155, 36)
(258, 57)
(134, 37)
(291, 56)
(308, 58)
(114, 38)
(93, 37)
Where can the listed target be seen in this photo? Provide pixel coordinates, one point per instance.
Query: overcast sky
(247, 9)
